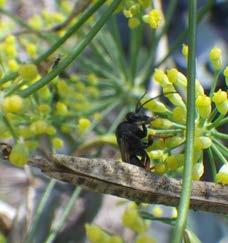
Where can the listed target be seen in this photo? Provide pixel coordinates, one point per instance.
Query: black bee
(130, 133)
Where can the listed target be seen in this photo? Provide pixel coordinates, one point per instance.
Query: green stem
(221, 122)
(39, 211)
(212, 164)
(190, 129)
(217, 122)
(62, 220)
(10, 127)
(8, 77)
(223, 149)
(75, 52)
(218, 153)
(215, 81)
(219, 135)
(82, 19)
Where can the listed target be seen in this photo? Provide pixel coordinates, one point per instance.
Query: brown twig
(129, 181)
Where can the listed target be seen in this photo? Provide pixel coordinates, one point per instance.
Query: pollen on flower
(153, 18)
(13, 103)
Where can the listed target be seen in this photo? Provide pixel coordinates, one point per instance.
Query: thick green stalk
(189, 150)
(83, 18)
(39, 211)
(62, 220)
(74, 54)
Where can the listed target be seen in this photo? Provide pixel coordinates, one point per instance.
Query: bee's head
(139, 118)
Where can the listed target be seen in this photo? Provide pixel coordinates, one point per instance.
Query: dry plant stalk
(131, 182)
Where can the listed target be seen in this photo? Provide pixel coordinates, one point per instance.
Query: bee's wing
(124, 150)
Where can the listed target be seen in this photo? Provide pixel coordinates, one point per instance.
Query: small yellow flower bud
(153, 18)
(51, 130)
(157, 211)
(28, 72)
(83, 125)
(13, 103)
(10, 51)
(13, 65)
(161, 123)
(31, 49)
(179, 114)
(143, 238)
(44, 93)
(158, 144)
(95, 234)
(156, 154)
(160, 77)
(154, 106)
(174, 98)
(216, 57)
(198, 170)
(43, 108)
(39, 127)
(133, 23)
(57, 143)
(132, 219)
(222, 175)
(199, 88)
(61, 109)
(160, 168)
(174, 161)
(10, 40)
(127, 13)
(36, 22)
(221, 101)
(203, 104)
(185, 50)
(177, 78)
(174, 213)
(19, 155)
(135, 9)
(174, 141)
(92, 79)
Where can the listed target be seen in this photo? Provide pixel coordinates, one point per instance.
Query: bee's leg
(150, 140)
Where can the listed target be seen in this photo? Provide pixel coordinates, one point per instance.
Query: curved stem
(218, 153)
(189, 150)
(219, 135)
(75, 52)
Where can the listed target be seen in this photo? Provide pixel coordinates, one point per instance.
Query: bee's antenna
(141, 106)
(138, 103)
